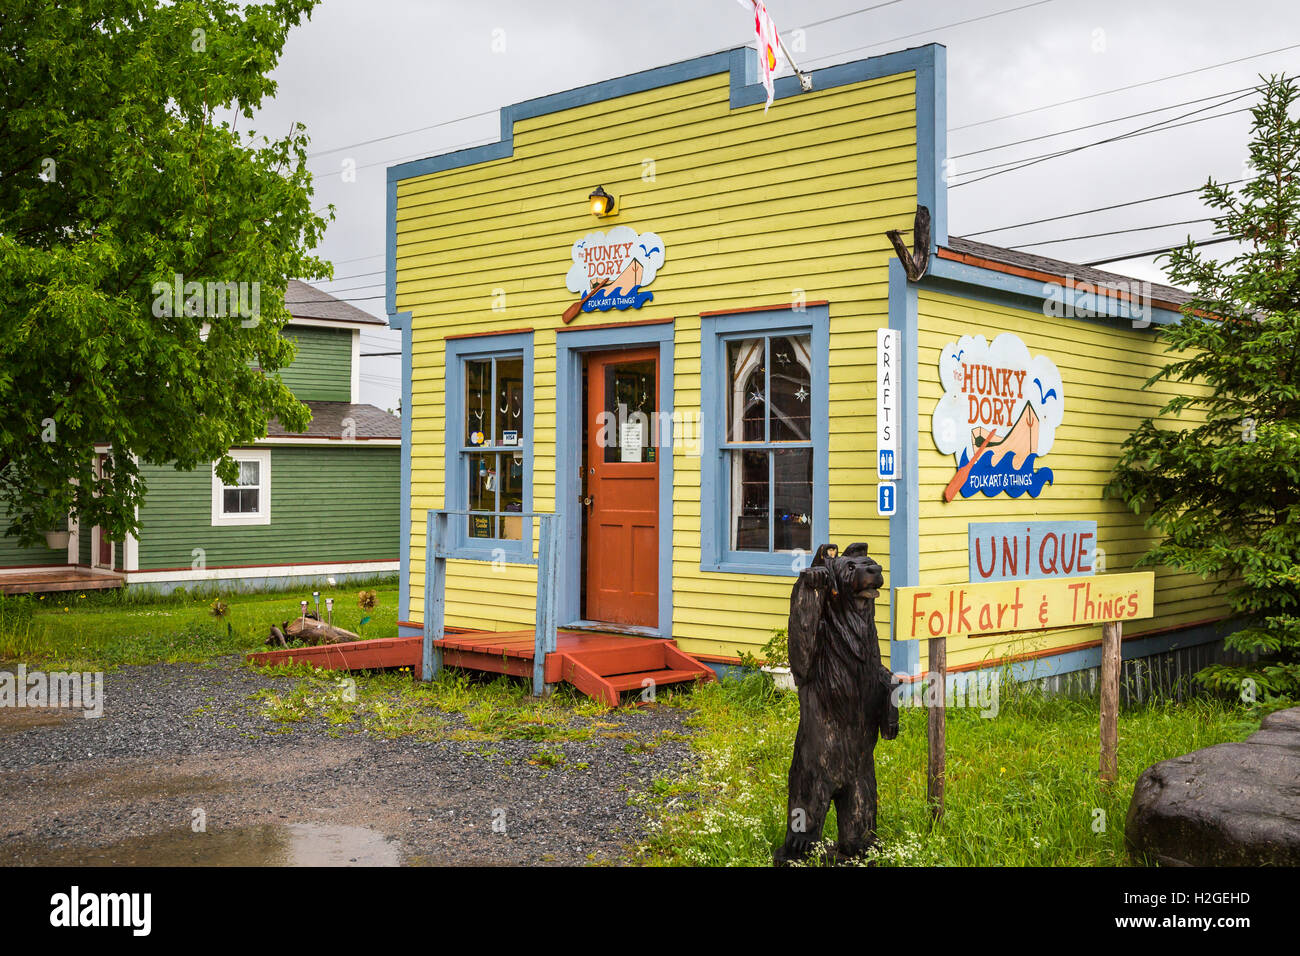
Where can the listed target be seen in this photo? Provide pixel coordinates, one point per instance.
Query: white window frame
(263, 516)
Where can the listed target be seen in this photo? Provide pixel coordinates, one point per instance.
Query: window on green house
(248, 500)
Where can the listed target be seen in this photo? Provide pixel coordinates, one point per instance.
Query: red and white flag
(769, 44)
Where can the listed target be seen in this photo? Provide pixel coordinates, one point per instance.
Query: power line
(1113, 232)
(841, 16)
(1117, 119)
(943, 26)
(1162, 126)
(1159, 252)
(1121, 89)
(1086, 212)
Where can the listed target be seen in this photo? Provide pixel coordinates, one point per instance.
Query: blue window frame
(764, 431)
(489, 463)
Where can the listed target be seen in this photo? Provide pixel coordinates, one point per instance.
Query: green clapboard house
(309, 506)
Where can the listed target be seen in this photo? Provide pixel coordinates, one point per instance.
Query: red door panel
(622, 520)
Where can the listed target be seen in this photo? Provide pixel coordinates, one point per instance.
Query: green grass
(1022, 787)
(98, 630)
(391, 704)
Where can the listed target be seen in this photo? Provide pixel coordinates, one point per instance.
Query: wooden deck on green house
(49, 580)
(602, 666)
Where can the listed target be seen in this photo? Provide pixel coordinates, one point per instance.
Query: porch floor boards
(602, 666)
(47, 580)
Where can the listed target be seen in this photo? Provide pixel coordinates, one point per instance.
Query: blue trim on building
(455, 494)
(1001, 288)
(932, 143)
(905, 525)
(715, 331)
(569, 350)
(402, 322)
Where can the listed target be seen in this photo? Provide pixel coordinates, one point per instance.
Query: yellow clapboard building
(654, 310)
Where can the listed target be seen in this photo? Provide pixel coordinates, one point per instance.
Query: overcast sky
(366, 69)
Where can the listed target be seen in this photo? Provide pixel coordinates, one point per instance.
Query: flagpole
(805, 80)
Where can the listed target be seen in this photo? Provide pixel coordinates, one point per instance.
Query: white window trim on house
(219, 518)
(356, 367)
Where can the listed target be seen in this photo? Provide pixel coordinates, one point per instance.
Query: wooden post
(1110, 671)
(435, 586)
(936, 729)
(544, 634)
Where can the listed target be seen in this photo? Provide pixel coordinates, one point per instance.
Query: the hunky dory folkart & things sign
(998, 416)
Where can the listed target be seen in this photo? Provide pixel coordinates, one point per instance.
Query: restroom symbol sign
(885, 469)
(886, 499)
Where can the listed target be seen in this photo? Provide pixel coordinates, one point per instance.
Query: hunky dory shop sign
(611, 269)
(998, 416)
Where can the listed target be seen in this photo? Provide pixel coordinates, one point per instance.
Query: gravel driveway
(181, 745)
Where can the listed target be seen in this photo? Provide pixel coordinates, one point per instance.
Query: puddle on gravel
(292, 844)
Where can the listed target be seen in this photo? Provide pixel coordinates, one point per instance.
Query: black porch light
(602, 203)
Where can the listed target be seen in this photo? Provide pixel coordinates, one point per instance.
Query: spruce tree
(1225, 494)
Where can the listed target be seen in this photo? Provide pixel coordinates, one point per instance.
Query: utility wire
(1113, 232)
(1159, 252)
(934, 29)
(1117, 119)
(1121, 89)
(1162, 126)
(1087, 212)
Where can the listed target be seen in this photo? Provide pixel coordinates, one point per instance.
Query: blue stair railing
(438, 545)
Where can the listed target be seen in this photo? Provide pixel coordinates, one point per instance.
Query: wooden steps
(602, 666)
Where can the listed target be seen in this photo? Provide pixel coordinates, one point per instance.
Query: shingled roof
(368, 423)
(307, 302)
(1057, 268)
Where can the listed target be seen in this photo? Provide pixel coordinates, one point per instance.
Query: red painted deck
(48, 580)
(602, 666)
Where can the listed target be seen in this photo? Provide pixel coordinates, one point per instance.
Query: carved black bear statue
(845, 701)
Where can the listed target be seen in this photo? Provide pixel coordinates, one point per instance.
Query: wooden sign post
(936, 728)
(1110, 671)
(1019, 606)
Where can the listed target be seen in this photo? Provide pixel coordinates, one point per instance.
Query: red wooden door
(622, 496)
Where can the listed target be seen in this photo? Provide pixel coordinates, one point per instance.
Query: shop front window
(490, 456)
(769, 443)
(764, 485)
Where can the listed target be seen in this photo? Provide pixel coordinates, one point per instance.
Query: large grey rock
(1234, 804)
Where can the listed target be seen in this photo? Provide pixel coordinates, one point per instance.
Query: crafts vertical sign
(887, 350)
(887, 390)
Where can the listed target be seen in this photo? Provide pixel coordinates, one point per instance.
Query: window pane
(482, 494)
(749, 501)
(746, 391)
(478, 401)
(249, 472)
(791, 388)
(248, 500)
(630, 398)
(792, 499)
(512, 494)
(230, 501)
(510, 401)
